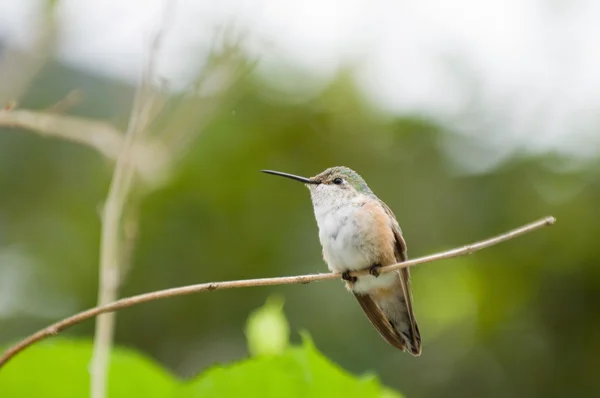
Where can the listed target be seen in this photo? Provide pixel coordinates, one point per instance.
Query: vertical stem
(111, 252)
(111, 246)
(110, 256)
(108, 278)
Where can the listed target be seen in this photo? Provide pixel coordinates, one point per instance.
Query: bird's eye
(338, 181)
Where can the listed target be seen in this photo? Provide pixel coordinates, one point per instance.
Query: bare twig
(109, 270)
(284, 280)
(130, 234)
(111, 244)
(73, 98)
(225, 67)
(149, 157)
(101, 136)
(19, 69)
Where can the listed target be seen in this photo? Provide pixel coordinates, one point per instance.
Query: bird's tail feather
(399, 315)
(390, 311)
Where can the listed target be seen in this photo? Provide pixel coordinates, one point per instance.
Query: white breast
(348, 238)
(342, 238)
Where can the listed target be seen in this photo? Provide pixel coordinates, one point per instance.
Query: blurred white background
(488, 70)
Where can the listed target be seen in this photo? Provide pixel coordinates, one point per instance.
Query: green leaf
(267, 329)
(59, 368)
(298, 372)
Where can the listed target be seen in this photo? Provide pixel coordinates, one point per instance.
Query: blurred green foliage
(267, 330)
(519, 319)
(60, 370)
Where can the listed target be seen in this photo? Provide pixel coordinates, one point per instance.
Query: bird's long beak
(292, 176)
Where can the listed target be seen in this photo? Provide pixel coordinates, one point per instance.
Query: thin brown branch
(284, 280)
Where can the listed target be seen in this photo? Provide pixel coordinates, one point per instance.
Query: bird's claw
(348, 278)
(374, 270)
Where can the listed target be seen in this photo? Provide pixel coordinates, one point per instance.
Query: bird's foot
(374, 270)
(349, 278)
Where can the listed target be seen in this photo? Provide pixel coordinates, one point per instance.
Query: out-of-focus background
(467, 118)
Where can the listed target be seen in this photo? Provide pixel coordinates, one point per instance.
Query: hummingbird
(357, 231)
